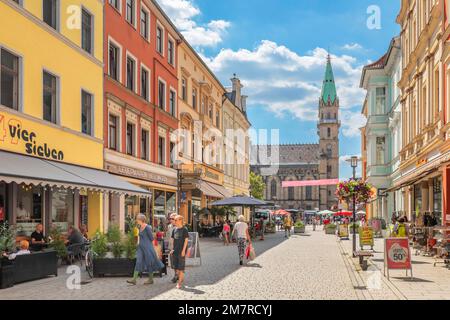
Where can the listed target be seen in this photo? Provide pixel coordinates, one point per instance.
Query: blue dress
(146, 258)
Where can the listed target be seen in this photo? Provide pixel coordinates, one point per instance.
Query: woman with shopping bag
(240, 230)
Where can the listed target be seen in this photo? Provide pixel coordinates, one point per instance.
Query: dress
(146, 258)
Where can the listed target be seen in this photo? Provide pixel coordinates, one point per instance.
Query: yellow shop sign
(22, 135)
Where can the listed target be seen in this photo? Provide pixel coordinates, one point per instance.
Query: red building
(140, 111)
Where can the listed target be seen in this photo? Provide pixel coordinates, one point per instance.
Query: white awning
(28, 170)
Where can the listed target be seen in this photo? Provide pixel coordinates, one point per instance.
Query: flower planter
(299, 229)
(330, 230)
(114, 267)
(270, 229)
(6, 273)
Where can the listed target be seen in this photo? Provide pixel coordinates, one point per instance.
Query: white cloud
(352, 46)
(287, 83)
(184, 14)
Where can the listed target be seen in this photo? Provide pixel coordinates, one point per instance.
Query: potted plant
(270, 227)
(350, 228)
(114, 255)
(7, 244)
(57, 243)
(330, 228)
(299, 227)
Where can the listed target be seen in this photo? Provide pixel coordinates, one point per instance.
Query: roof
(291, 154)
(329, 86)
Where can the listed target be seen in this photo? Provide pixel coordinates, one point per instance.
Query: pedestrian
(261, 227)
(287, 226)
(226, 233)
(314, 222)
(180, 243)
(169, 236)
(400, 229)
(146, 257)
(240, 230)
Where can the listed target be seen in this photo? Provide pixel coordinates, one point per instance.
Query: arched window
(273, 189)
(308, 193)
(291, 193)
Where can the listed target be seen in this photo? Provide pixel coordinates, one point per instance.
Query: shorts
(178, 262)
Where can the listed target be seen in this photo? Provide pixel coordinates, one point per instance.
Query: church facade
(299, 162)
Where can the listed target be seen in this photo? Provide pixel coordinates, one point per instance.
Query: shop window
(159, 208)
(50, 13)
(86, 31)
(3, 211)
(28, 208)
(132, 207)
(417, 198)
(171, 202)
(113, 132)
(437, 195)
(9, 88)
(86, 112)
(50, 99)
(62, 209)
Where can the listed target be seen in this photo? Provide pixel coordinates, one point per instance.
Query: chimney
(237, 90)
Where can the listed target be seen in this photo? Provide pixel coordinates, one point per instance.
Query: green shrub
(299, 224)
(331, 226)
(7, 238)
(114, 236)
(130, 245)
(57, 242)
(99, 245)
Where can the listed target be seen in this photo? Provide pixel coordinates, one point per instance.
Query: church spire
(329, 86)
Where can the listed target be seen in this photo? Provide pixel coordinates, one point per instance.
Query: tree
(256, 186)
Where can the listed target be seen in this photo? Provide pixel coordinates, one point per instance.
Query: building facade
(382, 131)
(299, 162)
(51, 118)
(140, 106)
(200, 135)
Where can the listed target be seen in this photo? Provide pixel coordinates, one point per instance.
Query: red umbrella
(281, 212)
(344, 214)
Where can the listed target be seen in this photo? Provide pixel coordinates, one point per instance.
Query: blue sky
(278, 49)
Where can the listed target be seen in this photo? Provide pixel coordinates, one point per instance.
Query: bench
(363, 257)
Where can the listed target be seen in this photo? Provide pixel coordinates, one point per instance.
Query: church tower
(328, 130)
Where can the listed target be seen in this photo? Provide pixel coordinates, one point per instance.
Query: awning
(209, 191)
(410, 182)
(221, 189)
(40, 172)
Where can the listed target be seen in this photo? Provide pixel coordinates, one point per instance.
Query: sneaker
(179, 286)
(132, 281)
(241, 262)
(148, 282)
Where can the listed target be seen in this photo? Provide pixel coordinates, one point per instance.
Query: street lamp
(178, 166)
(354, 164)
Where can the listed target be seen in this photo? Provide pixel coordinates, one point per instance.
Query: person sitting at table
(74, 237)
(84, 233)
(38, 238)
(24, 246)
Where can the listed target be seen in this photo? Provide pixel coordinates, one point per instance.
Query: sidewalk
(429, 282)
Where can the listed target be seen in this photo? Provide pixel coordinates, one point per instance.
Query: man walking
(287, 226)
(180, 243)
(169, 235)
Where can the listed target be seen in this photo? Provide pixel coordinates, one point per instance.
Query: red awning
(343, 214)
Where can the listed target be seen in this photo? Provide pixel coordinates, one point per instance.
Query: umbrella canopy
(325, 212)
(343, 214)
(240, 201)
(361, 212)
(281, 213)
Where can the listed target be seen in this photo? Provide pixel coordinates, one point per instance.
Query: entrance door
(83, 211)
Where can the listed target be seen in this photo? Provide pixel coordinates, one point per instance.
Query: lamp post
(354, 164)
(178, 167)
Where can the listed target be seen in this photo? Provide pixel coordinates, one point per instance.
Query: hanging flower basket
(362, 191)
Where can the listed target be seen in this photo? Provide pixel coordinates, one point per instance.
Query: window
(114, 62)
(329, 132)
(159, 40)
(86, 113)
(161, 95)
(329, 151)
(172, 154)
(218, 118)
(115, 4)
(130, 13)
(172, 103)
(183, 89)
(308, 191)
(130, 139)
(131, 73)
(49, 97)
(9, 86)
(62, 209)
(380, 100)
(329, 169)
(49, 13)
(144, 145)
(29, 207)
(291, 193)
(380, 150)
(194, 99)
(171, 52)
(273, 189)
(145, 23)
(144, 84)
(113, 132)
(210, 112)
(86, 31)
(162, 151)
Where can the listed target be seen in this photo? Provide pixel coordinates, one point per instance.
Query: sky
(278, 49)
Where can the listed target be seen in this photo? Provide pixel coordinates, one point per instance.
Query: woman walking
(240, 230)
(146, 257)
(226, 233)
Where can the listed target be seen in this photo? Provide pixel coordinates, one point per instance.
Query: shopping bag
(252, 254)
(247, 252)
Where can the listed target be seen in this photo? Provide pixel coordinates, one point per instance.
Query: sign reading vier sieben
(397, 255)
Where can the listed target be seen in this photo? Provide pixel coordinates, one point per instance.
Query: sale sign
(366, 236)
(343, 230)
(397, 253)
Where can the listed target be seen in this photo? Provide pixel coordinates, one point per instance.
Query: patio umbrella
(343, 214)
(325, 212)
(281, 213)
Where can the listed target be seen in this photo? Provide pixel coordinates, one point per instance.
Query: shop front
(160, 183)
(201, 186)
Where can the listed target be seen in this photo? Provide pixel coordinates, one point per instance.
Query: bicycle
(89, 260)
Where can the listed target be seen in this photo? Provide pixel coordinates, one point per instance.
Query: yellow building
(200, 135)
(51, 115)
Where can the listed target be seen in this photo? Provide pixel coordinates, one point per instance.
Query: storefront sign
(203, 172)
(343, 231)
(33, 138)
(397, 254)
(366, 237)
(140, 174)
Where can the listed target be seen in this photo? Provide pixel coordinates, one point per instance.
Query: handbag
(252, 254)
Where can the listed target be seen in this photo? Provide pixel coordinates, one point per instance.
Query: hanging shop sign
(366, 237)
(343, 231)
(397, 255)
(24, 135)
